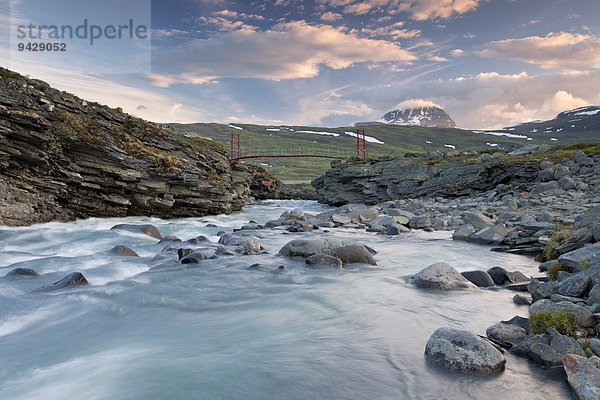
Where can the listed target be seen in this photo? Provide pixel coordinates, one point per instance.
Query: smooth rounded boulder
(506, 335)
(354, 254)
(72, 280)
(22, 272)
(123, 251)
(479, 278)
(146, 229)
(324, 261)
(441, 276)
(462, 351)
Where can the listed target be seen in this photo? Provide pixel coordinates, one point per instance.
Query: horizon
(328, 63)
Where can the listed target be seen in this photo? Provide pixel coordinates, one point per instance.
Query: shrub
(556, 240)
(563, 321)
(553, 271)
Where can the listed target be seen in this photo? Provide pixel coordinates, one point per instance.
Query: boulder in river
(506, 335)
(146, 229)
(441, 276)
(462, 351)
(22, 272)
(250, 246)
(479, 277)
(123, 251)
(324, 261)
(583, 375)
(72, 280)
(306, 247)
(194, 258)
(354, 254)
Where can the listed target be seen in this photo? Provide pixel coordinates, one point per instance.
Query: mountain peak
(427, 116)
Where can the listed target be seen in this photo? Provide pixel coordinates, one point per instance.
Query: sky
(488, 63)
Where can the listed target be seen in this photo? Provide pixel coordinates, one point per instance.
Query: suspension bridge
(311, 151)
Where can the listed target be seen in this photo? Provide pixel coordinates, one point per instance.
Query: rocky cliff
(413, 176)
(63, 158)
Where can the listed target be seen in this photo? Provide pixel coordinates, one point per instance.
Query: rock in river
(22, 272)
(69, 281)
(123, 251)
(506, 335)
(479, 278)
(441, 276)
(355, 254)
(462, 351)
(324, 261)
(147, 229)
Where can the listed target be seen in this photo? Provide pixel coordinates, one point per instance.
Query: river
(219, 331)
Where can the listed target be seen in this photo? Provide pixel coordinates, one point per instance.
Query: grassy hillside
(397, 140)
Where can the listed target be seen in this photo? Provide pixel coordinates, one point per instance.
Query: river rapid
(216, 330)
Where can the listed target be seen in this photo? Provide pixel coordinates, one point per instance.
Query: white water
(219, 331)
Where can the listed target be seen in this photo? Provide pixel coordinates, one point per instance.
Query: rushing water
(219, 331)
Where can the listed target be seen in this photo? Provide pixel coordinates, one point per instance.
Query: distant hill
(430, 117)
(582, 123)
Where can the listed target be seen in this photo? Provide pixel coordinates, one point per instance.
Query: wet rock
(396, 229)
(324, 261)
(305, 247)
(72, 280)
(230, 239)
(147, 229)
(462, 351)
(194, 258)
(170, 239)
(506, 335)
(441, 276)
(515, 277)
(124, 251)
(258, 267)
(583, 375)
(250, 246)
(22, 272)
(224, 251)
(521, 300)
(184, 252)
(543, 354)
(519, 321)
(354, 254)
(480, 278)
(498, 275)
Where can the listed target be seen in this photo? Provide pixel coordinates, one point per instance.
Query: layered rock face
(414, 176)
(62, 158)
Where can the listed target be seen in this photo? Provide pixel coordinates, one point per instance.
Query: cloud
(562, 101)
(555, 50)
(330, 16)
(234, 15)
(437, 59)
(419, 10)
(457, 52)
(492, 100)
(289, 50)
(416, 103)
(394, 31)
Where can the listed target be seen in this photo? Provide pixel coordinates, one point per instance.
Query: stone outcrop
(413, 176)
(78, 159)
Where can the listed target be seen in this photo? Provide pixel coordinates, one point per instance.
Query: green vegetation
(563, 321)
(556, 240)
(8, 74)
(553, 271)
(585, 264)
(398, 141)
